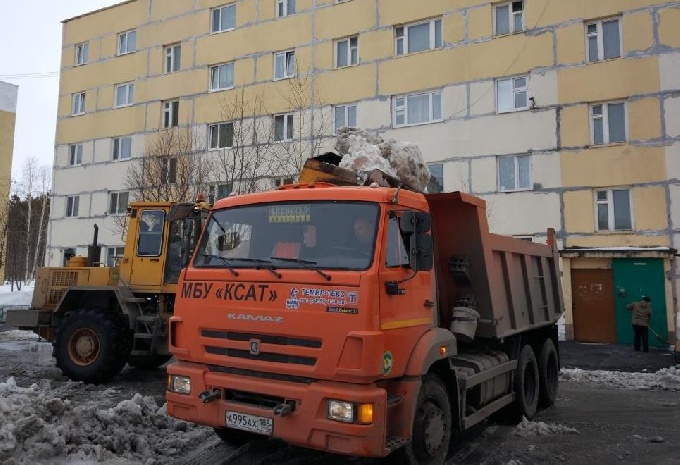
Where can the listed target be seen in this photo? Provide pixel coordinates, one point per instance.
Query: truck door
(148, 260)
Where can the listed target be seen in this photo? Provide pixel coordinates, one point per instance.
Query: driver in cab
(363, 235)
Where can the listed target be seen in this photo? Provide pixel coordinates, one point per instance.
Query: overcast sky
(30, 31)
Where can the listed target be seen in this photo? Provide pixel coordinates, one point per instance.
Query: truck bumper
(306, 426)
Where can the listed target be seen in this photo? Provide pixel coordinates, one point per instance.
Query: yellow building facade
(8, 110)
(560, 114)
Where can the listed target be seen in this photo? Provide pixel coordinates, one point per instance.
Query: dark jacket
(642, 312)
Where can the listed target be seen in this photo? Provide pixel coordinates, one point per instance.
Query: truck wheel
(91, 345)
(235, 437)
(148, 362)
(432, 426)
(526, 384)
(548, 372)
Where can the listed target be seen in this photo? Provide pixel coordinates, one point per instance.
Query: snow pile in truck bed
(538, 428)
(40, 426)
(362, 151)
(667, 379)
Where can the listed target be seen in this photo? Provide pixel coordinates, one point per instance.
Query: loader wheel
(235, 437)
(432, 427)
(148, 362)
(91, 345)
(548, 372)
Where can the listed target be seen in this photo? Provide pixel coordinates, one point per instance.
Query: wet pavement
(613, 357)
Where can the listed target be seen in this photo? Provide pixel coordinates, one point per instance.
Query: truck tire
(92, 345)
(235, 437)
(432, 426)
(526, 384)
(148, 362)
(548, 372)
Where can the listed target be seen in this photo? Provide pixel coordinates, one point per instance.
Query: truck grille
(264, 338)
(263, 356)
(60, 280)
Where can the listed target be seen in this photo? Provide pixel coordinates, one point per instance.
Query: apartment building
(8, 110)
(561, 115)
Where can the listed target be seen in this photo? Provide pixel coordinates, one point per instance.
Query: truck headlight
(340, 411)
(179, 384)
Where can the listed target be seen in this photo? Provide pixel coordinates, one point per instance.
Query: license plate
(252, 423)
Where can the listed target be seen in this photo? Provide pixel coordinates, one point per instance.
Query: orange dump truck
(361, 320)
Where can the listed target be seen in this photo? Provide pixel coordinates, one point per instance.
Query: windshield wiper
(261, 260)
(226, 262)
(310, 264)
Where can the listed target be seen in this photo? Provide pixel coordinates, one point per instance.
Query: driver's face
(363, 230)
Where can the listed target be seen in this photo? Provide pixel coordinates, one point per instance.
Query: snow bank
(18, 335)
(667, 379)
(365, 152)
(40, 426)
(538, 428)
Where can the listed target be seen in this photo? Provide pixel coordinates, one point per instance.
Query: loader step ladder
(148, 330)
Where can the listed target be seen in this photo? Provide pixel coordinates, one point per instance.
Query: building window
(418, 37)
(113, 255)
(223, 18)
(173, 58)
(511, 94)
(221, 135)
(608, 123)
(417, 108)
(514, 173)
(283, 181)
(78, 103)
(122, 148)
(169, 171)
(72, 206)
(346, 52)
(613, 209)
(285, 8)
(82, 53)
(171, 114)
(509, 17)
(604, 40)
(118, 202)
(127, 42)
(218, 191)
(75, 154)
(283, 127)
(125, 94)
(436, 184)
(345, 116)
(284, 64)
(222, 76)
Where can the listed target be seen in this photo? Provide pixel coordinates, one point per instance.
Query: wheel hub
(429, 431)
(434, 432)
(83, 346)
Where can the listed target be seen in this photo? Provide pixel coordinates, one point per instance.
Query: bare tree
(45, 184)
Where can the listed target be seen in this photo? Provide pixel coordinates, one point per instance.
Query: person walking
(642, 312)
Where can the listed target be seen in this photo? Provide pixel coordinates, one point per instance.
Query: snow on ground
(667, 379)
(538, 428)
(41, 425)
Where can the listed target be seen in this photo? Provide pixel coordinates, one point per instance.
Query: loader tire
(548, 372)
(92, 345)
(148, 362)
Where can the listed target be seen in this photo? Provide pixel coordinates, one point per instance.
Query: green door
(634, 278)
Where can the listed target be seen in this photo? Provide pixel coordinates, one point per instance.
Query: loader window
(150, 241)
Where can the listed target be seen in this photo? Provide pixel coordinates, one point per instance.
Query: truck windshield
(335, 235)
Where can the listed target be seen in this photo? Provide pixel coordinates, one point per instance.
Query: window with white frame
(78, 103)
(72, 206)
(283, 127)
(417, 108)
(222, 76)
(218, 191)
(608, 123)
(75, 154)
(169, 171)
(426, 35)
(509, 17)
(613, 210)
(285, 8)
(284, 64)
(171, 114)
(82, 53)
(603, 40)
(173, 58)
(125, 94)
(283, 180)
(514, 173)
(511, 94)
(436, 183)
(223, 18)
(127, 42)
(122, 148)
(113, 255)
(346, 52)
(118, 202)
(345, 116)
(221, 135)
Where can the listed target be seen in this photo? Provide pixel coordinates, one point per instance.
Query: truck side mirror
(415, 222)
(420, 252)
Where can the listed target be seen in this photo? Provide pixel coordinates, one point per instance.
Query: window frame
(221, 9)
(517, 188)
(75, 150)
(511, 18)
(285, 70)
(288, 123)
(404, 37)
(115, 254)
(606, 139)
(168, 171)
(172, 62)
(126, 35)
(611, 210)
(129, 94)
(404, 108)
(118, 211)
(515, 91)
(336, 46)
(217, 68)
(81, 98)
(168, 107)
(441, 166)
(285, 8)
(218, 127)
(345, 109)
(72, 209)
(82, 51)
(117, 142)
(599, 24)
